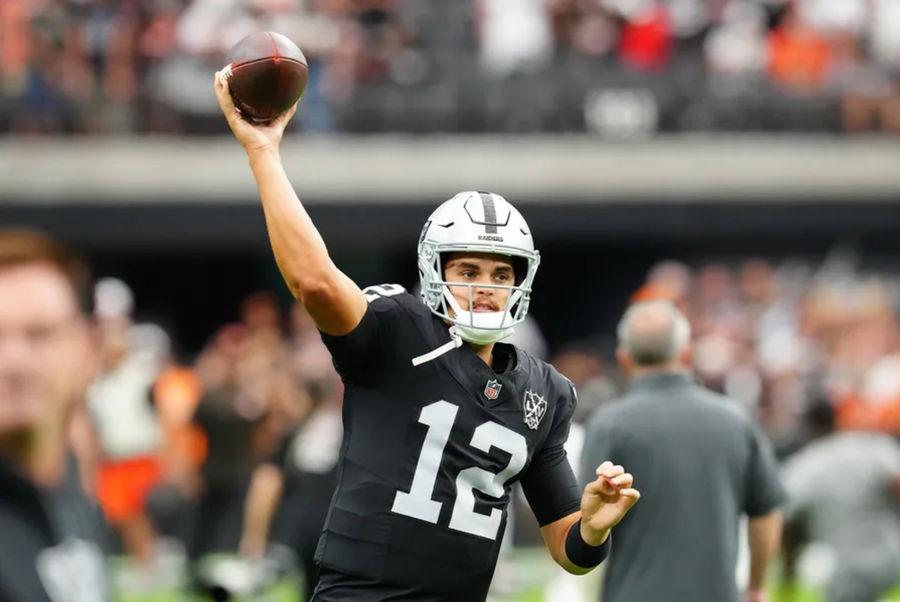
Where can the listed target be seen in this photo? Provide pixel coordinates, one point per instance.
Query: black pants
(301, 516)
(218, 519)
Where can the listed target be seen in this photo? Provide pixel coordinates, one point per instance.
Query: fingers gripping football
(223, 96)
(251, 136)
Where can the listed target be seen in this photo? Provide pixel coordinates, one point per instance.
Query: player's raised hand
(605, 502)
(253, 137)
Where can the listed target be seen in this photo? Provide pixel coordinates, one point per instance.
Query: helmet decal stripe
(490, 213)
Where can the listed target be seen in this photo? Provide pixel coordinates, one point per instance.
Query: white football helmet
(477, 222)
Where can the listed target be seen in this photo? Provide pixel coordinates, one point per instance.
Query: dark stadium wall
(190, 265)
(579, 293)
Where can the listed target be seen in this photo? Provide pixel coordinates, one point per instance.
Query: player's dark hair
(21, 246)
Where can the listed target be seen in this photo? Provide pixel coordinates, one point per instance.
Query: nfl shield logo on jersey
(535, 408)
(492, 389)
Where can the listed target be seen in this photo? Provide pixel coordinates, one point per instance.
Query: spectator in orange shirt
(800, 58)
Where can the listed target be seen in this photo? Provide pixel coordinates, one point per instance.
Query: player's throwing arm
(334, 301)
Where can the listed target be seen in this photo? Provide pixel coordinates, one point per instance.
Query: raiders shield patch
(534, 407)
(492, 389)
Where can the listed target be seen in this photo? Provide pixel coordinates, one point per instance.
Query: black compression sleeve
(550, 486)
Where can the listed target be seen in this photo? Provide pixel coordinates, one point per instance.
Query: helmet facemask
(480, 328)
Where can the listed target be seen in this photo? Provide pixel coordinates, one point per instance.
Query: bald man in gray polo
(702, 464)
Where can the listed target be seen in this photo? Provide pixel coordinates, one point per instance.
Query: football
(267, 73)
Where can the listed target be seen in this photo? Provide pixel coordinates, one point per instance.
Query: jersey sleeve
(765, 491)
(549, 483)
(362, 349)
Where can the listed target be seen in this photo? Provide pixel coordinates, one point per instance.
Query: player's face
(44, 347)
(480, 269)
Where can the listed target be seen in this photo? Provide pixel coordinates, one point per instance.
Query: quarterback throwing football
(440, 418)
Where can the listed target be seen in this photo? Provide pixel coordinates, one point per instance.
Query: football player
(440, 418)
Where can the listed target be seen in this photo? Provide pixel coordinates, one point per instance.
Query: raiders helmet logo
(492, 389)
(534, 407)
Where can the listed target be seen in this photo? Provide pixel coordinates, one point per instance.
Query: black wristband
(582, 554)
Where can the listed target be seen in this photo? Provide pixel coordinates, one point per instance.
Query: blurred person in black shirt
(231, 408)
(292, 488)
(51, 535)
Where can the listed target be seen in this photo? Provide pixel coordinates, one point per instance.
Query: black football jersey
(429, 455)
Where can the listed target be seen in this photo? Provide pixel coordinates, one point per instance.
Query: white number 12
(417, 503)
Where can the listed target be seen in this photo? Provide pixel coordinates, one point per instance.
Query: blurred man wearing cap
(702, 464)
(51, 534)
(122, 408)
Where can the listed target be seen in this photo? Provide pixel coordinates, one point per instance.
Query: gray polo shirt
(699, 462)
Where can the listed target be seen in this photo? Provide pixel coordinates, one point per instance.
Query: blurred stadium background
(741, 155)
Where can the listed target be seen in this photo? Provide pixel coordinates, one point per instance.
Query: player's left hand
(605, 502)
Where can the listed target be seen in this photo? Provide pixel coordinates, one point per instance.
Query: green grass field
(530, 572)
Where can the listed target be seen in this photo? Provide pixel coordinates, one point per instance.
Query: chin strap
(454, 343)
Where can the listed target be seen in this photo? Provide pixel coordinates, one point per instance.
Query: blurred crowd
(619, 68)
(784, 338)
(174, 449)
